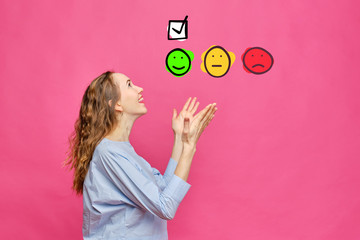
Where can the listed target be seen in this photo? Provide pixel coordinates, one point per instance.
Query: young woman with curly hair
(123, 196)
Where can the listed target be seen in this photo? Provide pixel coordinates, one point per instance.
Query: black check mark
(182, 25)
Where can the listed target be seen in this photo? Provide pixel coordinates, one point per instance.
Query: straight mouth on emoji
(216, 65)
(258, 65)
(178, 68)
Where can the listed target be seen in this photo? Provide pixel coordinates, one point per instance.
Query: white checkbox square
(177, 29)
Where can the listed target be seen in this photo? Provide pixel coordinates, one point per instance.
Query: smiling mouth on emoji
(216, 65)
(258, 65)
(178, 68)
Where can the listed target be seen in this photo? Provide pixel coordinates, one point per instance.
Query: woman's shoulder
(108, 148)
(121, 152)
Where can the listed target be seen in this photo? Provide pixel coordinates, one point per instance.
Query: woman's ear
(118, 106)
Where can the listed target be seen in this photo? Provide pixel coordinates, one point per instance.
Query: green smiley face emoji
(178, 61)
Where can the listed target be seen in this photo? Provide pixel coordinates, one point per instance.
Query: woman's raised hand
(194, 126)
(186, 112)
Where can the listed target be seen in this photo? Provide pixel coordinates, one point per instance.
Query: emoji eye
(261, 54)
(181, 57)
(212, 55)
(252, 55)
(220, 55)
(174, 57)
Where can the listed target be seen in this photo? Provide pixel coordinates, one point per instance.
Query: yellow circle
(217, 61)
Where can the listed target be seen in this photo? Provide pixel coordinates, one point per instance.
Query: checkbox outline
(186, 29)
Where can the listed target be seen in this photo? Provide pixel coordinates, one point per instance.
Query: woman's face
(130, 95)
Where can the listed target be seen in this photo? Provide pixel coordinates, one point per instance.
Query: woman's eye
(129, 83)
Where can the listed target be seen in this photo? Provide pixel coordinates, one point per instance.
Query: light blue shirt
(125, 198)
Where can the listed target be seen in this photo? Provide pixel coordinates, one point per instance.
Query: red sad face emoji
(257, 60)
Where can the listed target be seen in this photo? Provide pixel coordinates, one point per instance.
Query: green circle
(178, 62)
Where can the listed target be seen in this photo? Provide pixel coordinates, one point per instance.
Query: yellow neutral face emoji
(216, 61)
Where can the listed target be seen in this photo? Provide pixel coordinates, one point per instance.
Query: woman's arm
(142, 192)
(177, 148)
(183, 168)
(193, 128)
(163, 180)
(178, 126)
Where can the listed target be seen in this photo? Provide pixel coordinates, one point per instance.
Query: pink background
(279, 161)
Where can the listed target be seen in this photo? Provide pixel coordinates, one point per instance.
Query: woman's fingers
(203, 112)
(195, 108)
(202, 119)
(210, 111)
(200, 122)
(208, 118)
(192, 104)
(204, 122)
(208, 114)
(186, 104)
(174, 113)
(211, 117)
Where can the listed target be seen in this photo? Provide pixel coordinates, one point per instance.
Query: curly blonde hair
(96, 120)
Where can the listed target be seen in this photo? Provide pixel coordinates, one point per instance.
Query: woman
(123, 196)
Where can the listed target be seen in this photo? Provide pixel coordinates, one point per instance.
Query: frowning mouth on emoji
(258, 65)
